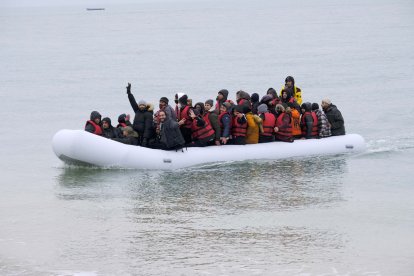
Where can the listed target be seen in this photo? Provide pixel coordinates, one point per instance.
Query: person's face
(105, 124)
(162, 104)
(198, 107)
(97, 120)
(289, 84)
(207, 107)
(127, 118)
(223, 109)
(125, 133)
(162, 117)
(142, 107)
(324, 105)
(284, 95)
(220, 96)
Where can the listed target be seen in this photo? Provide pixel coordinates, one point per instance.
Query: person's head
(326, 103)
(96, 117)
(262, 108)
(306, 107)
(106, 123)
(237, 110)
(289, 81)
(315, 106)
(280, 108)
(208, 105)
(285, 94)
(162, 116)
(183, 100)
(222, 95)
(163, 102)
(271, 91)
(190, 102)
(255, 98)
(199, 107)
(127, 131)
(142, 105)
(225, 107)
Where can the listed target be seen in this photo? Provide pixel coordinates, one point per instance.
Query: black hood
(272, 91)
(307, 106)
(254, 97)
(106, 119)
(121, 118)
(95, 115)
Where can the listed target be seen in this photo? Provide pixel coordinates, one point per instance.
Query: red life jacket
(199, 133)
(285, 126)
(98, 129)
(237, 129)
(181, 114)
(268, 124)
(314, 132)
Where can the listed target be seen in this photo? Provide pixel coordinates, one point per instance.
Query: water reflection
(232, 218)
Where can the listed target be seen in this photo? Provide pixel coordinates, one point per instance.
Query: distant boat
(95, 9)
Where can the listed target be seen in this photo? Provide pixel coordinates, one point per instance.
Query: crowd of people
(248, 120)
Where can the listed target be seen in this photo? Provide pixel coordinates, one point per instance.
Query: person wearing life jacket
(164, 106)
(184, 119)
(324, 128)
(243, 98)
(334, 117)
(212, 117)
(221, 98)
(123, 120)
(108, 131)
(295, 113)
(292, 89)
(225, 120)
(143, 118)
(275, 101)
(238, 126)
(253, 126)
(283, 128)
(94, 124)
(308, 122)
(168, 134)
(129, 136)
(202, 133)
(268, 124)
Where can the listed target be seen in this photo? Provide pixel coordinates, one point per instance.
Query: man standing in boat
(142, 120)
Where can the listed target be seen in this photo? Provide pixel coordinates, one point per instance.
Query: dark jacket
(335, 120)
(215, 124)
(308, 121)
(170, 134)
(142, 120)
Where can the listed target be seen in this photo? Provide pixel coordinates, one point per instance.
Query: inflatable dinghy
(79, 147)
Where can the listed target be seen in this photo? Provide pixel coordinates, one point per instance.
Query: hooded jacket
(170, 135)
(294, 91)
(91, 126)
(225, 94)
(110, 132)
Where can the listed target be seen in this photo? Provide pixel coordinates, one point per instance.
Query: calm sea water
(337, 215)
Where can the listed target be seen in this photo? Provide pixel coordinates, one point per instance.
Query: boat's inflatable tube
(83, 148)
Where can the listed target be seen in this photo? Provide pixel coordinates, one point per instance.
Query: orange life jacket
(268, 124)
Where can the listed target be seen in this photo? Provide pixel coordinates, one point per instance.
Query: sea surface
(327, 215)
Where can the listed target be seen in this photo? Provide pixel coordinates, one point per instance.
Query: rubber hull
(83, 148)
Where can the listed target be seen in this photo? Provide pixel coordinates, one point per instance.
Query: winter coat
(215, 124)
(253, 122)
(111, 132)
(130, 140)
(142, 120)
(336, 120)
(170, 134)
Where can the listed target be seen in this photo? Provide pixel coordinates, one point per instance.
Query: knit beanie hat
(164, 99)
(210, 102)
(262, 108)
(142, 102)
